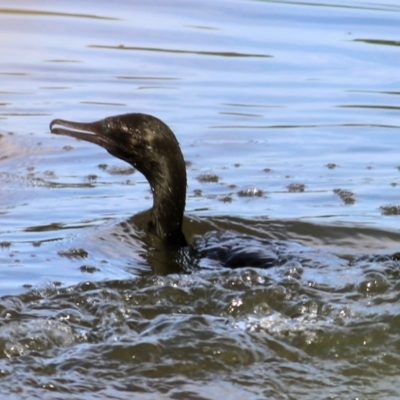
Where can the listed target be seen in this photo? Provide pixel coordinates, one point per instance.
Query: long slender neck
(169, 196)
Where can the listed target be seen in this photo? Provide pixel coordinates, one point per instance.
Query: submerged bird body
(150, 146)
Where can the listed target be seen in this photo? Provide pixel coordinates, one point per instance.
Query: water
(287, 114)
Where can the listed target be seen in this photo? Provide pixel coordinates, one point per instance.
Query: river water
(287, 113)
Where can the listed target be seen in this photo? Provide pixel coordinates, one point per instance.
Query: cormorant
(150, 146)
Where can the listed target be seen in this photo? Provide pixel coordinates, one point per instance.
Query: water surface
(288, 117)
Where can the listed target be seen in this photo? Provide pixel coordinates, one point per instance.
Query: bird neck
(169, 196)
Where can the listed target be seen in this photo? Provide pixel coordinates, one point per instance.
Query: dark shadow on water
(52, 14)
(381, 42)
(178, 51)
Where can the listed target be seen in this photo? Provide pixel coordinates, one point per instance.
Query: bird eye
(105, 127)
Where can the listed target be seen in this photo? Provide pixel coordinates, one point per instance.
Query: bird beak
(91, 132)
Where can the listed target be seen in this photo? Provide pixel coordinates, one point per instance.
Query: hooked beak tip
(52, 123)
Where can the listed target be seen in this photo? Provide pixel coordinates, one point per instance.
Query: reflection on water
(287, 114)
